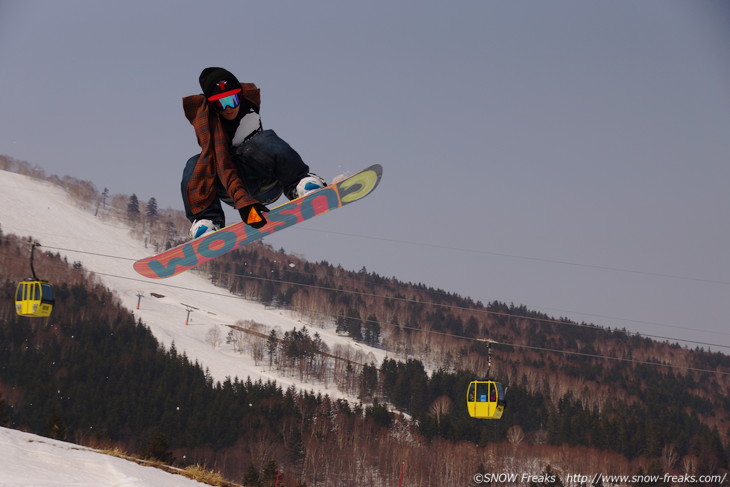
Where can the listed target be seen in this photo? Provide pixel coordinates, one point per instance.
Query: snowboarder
(240, 163)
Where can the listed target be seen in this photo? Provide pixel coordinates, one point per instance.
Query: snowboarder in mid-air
(240, 163)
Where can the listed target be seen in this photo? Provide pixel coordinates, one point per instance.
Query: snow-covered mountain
(44, 211)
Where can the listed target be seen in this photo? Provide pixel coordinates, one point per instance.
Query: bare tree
(237, 338)
(440, 406)
(257, 351)
(515, 435)
(213, 337)
(669, 458)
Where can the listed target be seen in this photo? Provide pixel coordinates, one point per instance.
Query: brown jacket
(215, 161)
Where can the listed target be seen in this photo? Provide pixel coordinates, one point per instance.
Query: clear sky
(567, 155)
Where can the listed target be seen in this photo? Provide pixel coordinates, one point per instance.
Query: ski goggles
(225, 100)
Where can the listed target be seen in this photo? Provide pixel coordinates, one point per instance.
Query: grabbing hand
(254, 215)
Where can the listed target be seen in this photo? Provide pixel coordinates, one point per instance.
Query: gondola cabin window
(34, 299)
(485, 399)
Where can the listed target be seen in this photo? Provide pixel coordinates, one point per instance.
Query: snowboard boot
(202, 227)
(307, 184)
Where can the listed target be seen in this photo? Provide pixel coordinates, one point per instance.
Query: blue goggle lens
(228, 102)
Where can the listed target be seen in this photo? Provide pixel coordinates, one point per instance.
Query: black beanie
(214, 81)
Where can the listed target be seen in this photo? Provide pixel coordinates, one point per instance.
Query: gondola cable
(529, 347)
(414, 301)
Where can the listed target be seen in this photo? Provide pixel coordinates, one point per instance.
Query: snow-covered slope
(42, 210)
(30, 460)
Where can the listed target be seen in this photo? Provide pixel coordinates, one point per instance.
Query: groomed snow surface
(33, 461)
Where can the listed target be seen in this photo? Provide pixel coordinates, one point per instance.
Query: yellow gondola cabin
(485, 399)
(34, 298)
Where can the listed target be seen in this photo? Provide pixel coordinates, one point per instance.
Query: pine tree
(158, 448)
(368, 382)
(252, 478)
(57, 428)
(4, 414)
(351, 324)
(271, 471)
(152, 213)
(272, 344)
(133, 207)
(372, 331)
(101, 202)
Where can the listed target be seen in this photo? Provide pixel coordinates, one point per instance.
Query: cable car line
(658, 337)
(522, 257)
(608, 357)
(446, 294)
(401, 299)
(450, 335)
(440, 305)
(61, 249)
(512, 256)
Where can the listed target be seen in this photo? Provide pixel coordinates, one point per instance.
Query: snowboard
(202, 249)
